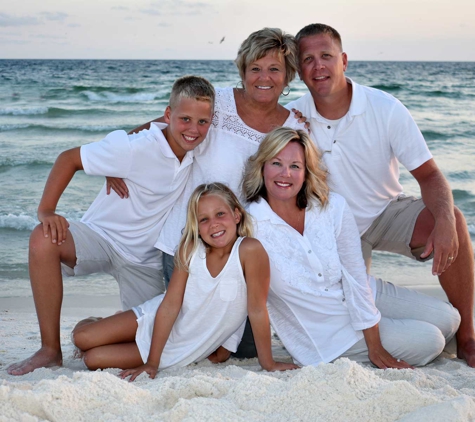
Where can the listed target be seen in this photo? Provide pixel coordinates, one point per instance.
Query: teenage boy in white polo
(114, 236)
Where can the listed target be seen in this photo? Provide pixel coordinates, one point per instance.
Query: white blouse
(320, 296)
(222, 157)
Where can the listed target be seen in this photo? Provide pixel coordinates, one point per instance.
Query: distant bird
(222, 39)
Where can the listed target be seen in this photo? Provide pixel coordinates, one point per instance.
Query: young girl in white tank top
(221, 275)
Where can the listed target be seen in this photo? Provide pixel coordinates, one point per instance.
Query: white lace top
(320, 296)
(220, 158)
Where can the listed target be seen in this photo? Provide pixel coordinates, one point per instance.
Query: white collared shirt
(155, 179)
(362, 155)
(320, 297)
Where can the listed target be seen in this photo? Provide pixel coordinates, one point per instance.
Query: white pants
(414, 327)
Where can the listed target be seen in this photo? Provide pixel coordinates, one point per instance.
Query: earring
(240, 85)
(288, 92)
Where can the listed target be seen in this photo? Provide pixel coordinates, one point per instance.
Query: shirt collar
(155, 133)
(357, 105)
(261, 211)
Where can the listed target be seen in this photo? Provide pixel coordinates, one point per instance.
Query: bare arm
(164, 319)
(255, 263)
(437, 197)
(160, 119)
(64, 168)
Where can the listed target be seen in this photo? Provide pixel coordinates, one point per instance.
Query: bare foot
(466, 351)
(43, 358)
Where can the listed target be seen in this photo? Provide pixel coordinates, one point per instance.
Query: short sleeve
(109, 157)
(406, 139)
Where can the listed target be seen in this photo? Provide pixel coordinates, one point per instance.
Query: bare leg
(123, 356)
(219, 355)
(91, 332)
(457, 281)
(108, 342)
(47, 286)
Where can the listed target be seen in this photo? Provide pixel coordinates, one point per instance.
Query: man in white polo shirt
(115, 237)
(363, 134)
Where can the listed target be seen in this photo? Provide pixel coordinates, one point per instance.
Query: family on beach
(232, 213)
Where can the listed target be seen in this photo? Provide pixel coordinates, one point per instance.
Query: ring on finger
(450, 258)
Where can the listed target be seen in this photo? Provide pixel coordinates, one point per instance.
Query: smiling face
(265, 79)
(217, 221)
(284, 174)
(188, 124)
(322, 65)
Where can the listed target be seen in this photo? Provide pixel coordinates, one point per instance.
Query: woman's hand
(54, 224)
(378, 355)
(151, 370)
(118, 186)
(384, 360)
(280, 366)
(220, 355)
(301, 118)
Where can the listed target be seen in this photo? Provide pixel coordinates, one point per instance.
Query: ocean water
(47, 106)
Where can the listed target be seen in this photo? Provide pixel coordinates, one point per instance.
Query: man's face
(322, 65)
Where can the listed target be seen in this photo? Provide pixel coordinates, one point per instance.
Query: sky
(434, 30)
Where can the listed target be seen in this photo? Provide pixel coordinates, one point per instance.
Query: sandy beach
(236, 390)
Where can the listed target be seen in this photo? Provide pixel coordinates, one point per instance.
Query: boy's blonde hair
(191, 238)
(315, 186)
(194, 87)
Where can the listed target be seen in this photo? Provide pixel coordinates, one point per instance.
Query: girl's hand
(134, 373)
(281, 366)
(118, 186)
(384, 360)
(219, 355)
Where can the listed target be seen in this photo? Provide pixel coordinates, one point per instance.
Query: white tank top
(213, 309)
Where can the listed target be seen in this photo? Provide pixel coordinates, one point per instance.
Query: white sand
(235, 391)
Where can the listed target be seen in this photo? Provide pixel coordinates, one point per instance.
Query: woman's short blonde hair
(191, 238)
(315, 186)
(262, 42)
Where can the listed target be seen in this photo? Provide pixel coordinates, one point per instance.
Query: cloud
(176, 7)
(74, 25)
(9, 20)
(54, 16)
(120, 8)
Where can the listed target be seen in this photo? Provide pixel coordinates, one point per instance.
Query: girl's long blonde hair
(190, 237)
(315, 186)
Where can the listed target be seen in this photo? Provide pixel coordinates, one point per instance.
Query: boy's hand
(118, 186)
(151, 370)
(219, 355)
(55, 224)
(281, 366)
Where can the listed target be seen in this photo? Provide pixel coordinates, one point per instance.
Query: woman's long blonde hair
(191, 238)
(315, 186)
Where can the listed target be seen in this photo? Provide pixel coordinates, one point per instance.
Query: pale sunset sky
(434, 30)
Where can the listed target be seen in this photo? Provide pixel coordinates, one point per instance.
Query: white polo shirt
(155, 179)
(362, 155)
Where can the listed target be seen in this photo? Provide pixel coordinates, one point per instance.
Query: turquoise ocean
(47, 106)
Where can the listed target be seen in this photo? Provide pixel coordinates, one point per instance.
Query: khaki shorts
(392, 230)
(137, 283)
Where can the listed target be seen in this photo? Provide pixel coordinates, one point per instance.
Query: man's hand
(443, 241)
(55, 224)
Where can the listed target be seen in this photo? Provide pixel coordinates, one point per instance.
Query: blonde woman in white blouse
(321, 303)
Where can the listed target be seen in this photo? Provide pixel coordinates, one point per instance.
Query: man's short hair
(318, 29)
(194, 87)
